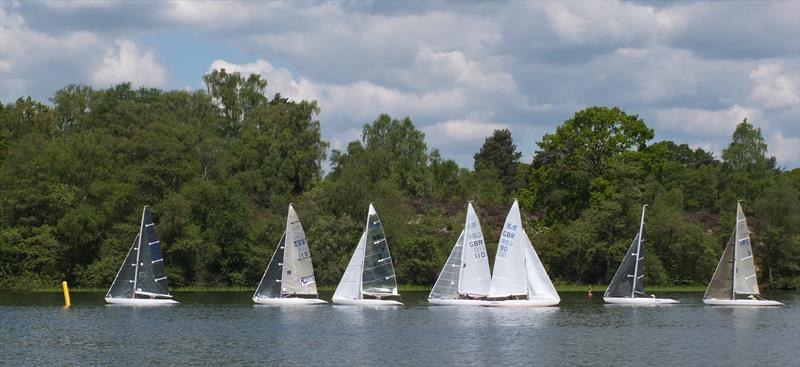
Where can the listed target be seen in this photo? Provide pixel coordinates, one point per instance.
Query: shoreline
(596, 289)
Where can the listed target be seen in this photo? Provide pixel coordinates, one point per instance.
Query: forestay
(475, 278)
(298, 270)
(509, 277)
(745, 281)
(378, 277)
(270, 285)
(350, 285)
(447, 285)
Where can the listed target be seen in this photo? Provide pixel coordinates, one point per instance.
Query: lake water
(226, 328)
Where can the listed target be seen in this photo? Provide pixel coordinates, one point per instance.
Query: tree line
(219, 166)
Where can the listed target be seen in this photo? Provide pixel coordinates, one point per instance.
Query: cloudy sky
(692, 70)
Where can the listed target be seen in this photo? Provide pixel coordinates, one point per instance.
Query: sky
(459, 70)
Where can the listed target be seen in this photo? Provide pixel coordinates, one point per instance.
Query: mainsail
(745, 281)
(350, 285)
(142, 272)
(298, 271)
(270, 285)
(736, 271)
(629, 278)
(475, 278)
(377, 277)
(447, 285)
(509, 278)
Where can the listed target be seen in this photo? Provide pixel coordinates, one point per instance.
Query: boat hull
(289, 301)
(741, 302)
(639, 301)
(141, 301)
(366, 302)
(522, 303)
(455, 302)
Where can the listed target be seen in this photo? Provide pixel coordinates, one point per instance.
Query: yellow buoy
(65, 289)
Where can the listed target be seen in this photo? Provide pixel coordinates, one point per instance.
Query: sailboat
(736, 272)
(370, 272)
(465, 277)
(289, 278)
(142, 280)
(519, 278)
(628, 281)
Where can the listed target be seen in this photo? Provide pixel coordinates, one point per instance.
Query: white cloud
(700, 123)
(773, 88)
(124, 62)
(785, 149)
(461, 130)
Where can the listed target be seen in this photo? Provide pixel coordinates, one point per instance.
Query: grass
(596, 288)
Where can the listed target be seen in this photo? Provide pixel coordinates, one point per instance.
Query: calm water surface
(226, 328)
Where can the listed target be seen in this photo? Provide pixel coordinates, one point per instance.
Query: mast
(138, 251)
(638, 250)
(735, 245)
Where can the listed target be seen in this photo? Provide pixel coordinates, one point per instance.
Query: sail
(622, 284)
(721, 285)
(447, 284)
(151, 278)
(270, 285)
(509, 265)
(122, 287)
(350, 285)
(539, 284)
(745, 269)
(475, 275)
(298, 271)
(377, 277)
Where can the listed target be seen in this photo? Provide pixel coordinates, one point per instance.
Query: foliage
(219, 166)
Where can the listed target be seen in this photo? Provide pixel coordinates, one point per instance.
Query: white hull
(522, 303)
(741, 302)
(456, 302)
(141, 301)
(639, 301)
(366, 302)
(291, 301)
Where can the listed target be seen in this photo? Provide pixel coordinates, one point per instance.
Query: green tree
(498, 157)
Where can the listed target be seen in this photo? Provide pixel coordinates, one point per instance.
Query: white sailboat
(465, 277)
(370, 274)
(519, 278)
(628, 281)
(142, 280)
(736, 272)
(289, 278)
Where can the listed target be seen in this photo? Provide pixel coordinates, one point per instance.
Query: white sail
(446, 286)
(745, 281)
(298, 271)
(539, 284)
(509, 277)
(350, 285)
(475, 278)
